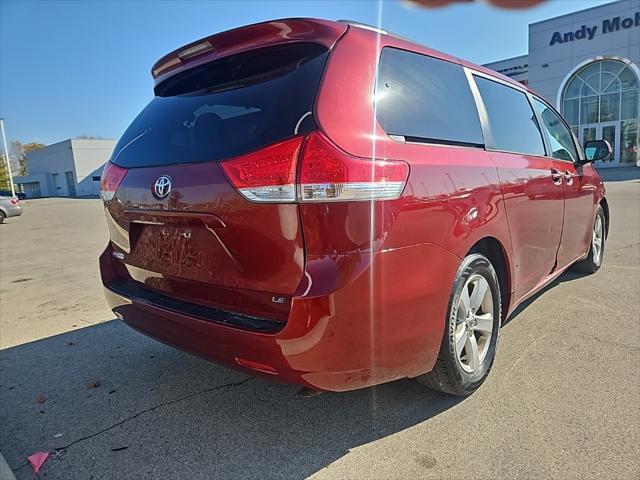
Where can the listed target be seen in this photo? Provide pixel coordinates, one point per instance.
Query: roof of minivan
(286, 30)
(419, 48)
(257, 35)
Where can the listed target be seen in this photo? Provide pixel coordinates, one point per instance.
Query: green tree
(4, 174)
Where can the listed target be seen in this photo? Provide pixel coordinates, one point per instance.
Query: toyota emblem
(162, 186)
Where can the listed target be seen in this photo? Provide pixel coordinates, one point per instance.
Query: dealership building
(71, 168)
(587, 64)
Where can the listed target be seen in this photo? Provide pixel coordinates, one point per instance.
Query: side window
(513, 124)
(425, 98)
(560, 139)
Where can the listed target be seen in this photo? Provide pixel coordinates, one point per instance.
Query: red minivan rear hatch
(177, 223)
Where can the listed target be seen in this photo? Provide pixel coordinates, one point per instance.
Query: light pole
(6, 156)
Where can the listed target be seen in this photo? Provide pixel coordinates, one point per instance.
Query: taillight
(268, 175)
(325, 173)
(112, 175)
(15, 201)
(328, 174)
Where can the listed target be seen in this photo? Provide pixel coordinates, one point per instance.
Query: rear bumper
(366, 319)
(13, 210)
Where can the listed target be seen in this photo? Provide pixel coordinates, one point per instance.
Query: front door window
(558, 135)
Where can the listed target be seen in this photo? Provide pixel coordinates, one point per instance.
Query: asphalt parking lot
(561, 402)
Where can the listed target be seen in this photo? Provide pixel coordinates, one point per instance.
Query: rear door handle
(568, 177)
(556, 176)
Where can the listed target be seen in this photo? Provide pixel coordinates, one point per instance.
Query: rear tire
(2, 216)
(471, 330)
(592, 263)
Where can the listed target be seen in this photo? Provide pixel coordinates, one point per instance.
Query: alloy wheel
(474, 323)
(597, 240)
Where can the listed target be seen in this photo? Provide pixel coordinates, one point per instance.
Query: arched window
(605, 92)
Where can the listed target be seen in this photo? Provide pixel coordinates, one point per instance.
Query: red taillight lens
(329, 174)
(268, 175)
(14, 201)
(112, 175)
(326, 173)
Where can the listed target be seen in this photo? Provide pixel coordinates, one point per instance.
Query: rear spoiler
(241, 39)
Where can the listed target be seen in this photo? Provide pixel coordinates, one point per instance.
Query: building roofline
(68, 140)
(525, 55)
(93, 139)
(577, 11)
(80, 141)
(73, 144)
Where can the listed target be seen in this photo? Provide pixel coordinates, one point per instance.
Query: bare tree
(18, 155)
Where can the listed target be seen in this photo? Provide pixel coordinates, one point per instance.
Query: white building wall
(54, 160)
(84, 158)
(550, 64)
(29, 182)
(515, 68)
(89, 157)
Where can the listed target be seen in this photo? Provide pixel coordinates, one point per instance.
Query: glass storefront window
(589, 110)
(629, 105)
(609, 134)
(628, 79)
(573, 89)
(602, 101)
(612, 66)
(609, 107)
(591, 76)
(629, 142)
(613, 85)
(591, 85)
(571, 109)
(603, 91)
(589, 134)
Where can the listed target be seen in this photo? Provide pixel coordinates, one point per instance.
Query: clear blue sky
(69, 68)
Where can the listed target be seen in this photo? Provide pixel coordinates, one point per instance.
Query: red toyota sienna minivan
(326, 204)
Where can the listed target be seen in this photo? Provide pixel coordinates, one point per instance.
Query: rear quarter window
(425, 99)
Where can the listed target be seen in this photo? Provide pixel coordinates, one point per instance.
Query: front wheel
(592, 263)
(471, 330)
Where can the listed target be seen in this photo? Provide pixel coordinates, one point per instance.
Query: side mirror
(595, 150)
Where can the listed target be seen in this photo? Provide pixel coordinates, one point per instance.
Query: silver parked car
(9, 207)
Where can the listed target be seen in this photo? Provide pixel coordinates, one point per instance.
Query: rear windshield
(226, 108)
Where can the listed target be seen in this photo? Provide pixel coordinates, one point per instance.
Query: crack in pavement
(60, 450)
(164, 404)
(624, 248)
